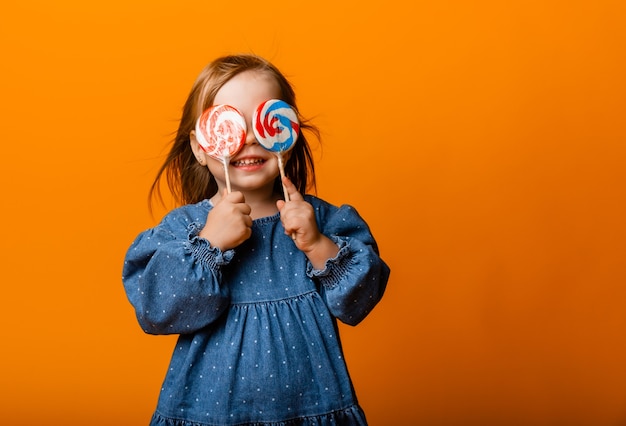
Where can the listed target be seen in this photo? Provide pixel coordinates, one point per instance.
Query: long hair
(188, 181)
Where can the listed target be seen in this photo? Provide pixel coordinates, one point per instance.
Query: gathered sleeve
(354, 281)
(172, 278)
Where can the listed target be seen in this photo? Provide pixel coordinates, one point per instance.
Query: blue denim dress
(258, 340)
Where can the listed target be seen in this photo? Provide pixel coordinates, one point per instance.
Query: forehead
(247, 90)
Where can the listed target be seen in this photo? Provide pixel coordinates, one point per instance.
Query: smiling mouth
(248, 162)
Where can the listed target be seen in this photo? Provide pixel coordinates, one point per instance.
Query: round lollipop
(221, 133)
(276, 127)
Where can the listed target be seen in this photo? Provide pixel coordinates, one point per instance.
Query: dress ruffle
(351, 416)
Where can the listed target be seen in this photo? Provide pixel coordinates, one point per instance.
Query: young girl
(252, 284)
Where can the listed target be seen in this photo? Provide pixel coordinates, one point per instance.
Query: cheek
(216, 167)
(272, 162)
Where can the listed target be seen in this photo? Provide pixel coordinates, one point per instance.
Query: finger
(294, 195)
(245, 209)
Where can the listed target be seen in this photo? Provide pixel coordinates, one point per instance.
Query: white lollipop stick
(281, 168)
(226, 161)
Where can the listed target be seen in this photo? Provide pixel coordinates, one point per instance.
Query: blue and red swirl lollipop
(276, 127)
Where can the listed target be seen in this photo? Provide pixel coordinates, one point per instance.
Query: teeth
(248, 162)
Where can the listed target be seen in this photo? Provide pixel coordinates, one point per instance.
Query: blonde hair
(188, 181)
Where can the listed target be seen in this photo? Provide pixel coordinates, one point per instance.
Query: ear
(195, 147)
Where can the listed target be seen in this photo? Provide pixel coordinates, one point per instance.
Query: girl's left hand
(298, 219)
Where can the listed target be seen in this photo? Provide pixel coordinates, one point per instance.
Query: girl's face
(253, 169)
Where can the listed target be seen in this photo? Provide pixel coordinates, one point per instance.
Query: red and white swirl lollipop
(221, 133)
(276, 127)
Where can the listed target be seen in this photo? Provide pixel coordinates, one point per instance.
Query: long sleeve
(172, 277)
(354, 281)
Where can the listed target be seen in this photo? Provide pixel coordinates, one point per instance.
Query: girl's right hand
(228, 223)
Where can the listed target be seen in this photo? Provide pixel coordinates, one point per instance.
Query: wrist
(322, 250)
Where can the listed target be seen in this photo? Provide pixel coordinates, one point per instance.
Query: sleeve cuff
(201, 249)
(336, 267)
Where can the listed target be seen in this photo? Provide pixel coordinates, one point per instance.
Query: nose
(250, 137)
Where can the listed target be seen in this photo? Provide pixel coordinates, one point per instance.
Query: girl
(252, 284)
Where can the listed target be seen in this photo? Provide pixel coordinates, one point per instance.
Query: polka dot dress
(258, 340)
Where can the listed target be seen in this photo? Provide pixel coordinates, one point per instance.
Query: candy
(275, 125)
(221, 131)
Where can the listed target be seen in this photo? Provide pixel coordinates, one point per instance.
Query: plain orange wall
(484, 141)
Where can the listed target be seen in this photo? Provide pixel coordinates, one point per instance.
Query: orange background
(485, 143)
